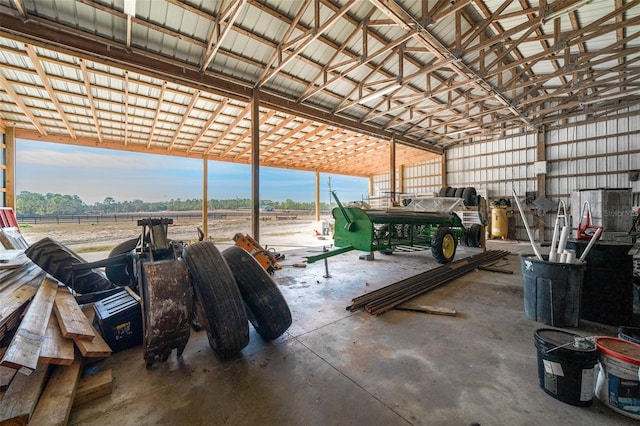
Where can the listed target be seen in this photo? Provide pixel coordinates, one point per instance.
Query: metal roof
(337, 78)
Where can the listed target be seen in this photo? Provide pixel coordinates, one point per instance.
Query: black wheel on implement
(473, 235)
(458, 193)
(450, 191)
(122, 274)
(56, 259)
(266, 307)
(222, 312)
(443, 191)
(443, 245)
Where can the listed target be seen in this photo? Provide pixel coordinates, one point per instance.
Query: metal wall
(580, 154)
(420, 179)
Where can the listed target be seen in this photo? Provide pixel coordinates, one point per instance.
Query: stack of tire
(468, 195)
(231, 288)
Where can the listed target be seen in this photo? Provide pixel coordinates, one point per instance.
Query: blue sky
(94, 174)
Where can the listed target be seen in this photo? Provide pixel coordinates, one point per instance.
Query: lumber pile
(45, 337)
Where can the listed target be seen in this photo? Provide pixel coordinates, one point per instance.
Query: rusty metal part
(167, 308)
(388, 297)
(264, 257)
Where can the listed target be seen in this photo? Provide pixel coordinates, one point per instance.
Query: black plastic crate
(119, 319)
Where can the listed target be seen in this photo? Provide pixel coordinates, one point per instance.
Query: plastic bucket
(566, 364)
(552, 291)
(618, 384)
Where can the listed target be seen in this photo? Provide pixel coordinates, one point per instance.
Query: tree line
(31, 203)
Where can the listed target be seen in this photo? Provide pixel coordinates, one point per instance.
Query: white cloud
(104, 160)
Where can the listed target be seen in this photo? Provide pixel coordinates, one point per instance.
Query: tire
(470, 197)
(56, 259)
(443, 245)
(122, 274)
(473, 235)
(458, 193)
(223, 314)
(450, 191)
(443, 191)
(266, 307)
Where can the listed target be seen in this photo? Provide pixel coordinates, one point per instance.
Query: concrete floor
(334, 367)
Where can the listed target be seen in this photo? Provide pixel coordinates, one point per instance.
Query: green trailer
(370, 230)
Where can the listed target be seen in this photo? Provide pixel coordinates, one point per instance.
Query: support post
(317, 196)
(10, 168)
(255, 165)
(541, 155)
(443, 169)
(205, 197)
(392, 170)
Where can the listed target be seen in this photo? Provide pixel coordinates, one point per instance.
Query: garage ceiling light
(130, 7)
(379, 93)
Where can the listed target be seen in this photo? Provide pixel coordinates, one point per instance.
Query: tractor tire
(473, 235)
(56, 259)
(122, 274)
(470, 197)
(266, 307)
(458, 193)
(443, 245)
(450, 191)
(223, 314)
(443, 191)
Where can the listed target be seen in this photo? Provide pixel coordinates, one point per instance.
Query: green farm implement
(430, 223)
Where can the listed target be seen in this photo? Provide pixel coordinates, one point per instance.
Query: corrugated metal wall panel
(592, 155)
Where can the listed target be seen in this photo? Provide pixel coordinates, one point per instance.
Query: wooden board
(73, 323)
(56, 401)
(14, 300)
(96, 348)
(6, 374)
(94, 386)
(20, 399)
(435, 310)
(24, 350)
(56, 349)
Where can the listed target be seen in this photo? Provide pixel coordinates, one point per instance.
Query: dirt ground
(92, 237)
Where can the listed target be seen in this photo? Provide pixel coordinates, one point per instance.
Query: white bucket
(618, 384)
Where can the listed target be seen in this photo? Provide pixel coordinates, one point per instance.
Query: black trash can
(607, 289)
(552, 291)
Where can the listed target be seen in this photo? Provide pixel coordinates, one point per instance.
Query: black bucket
(552, 291)
(566, 364)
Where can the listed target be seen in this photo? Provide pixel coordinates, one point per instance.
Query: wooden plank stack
(50, 337)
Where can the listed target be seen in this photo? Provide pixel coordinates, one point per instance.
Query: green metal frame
(376, 230)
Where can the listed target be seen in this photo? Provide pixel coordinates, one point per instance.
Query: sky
(94, 174)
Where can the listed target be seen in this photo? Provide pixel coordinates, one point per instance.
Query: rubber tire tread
(117, 274)
(436, 245)
(266, 307)
(470, 197)
(56, 259)
(443, 191)
(223, 313)
(458, 193)
(473, 235)
(450, 191)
